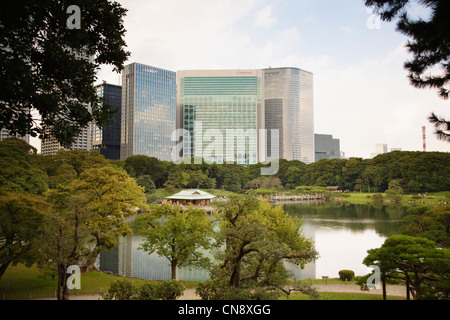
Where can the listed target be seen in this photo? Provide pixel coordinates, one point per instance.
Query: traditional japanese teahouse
(194, 196)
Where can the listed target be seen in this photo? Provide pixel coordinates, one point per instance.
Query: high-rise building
(49, 145)
(4, 134)
(107, 139)
(326, 147)
(148, 111)
(226, 105)
(289, 107)
(380, 148)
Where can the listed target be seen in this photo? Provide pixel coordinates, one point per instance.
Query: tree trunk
(235, 279)
(3, 268)
(174, 269)
(408, 291)
(63, 292)
(383, 281)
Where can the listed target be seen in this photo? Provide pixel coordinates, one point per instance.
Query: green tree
(417, 262)
(146, 182)
(40, 71)
(429, 44)
(18, 172)
(64, 240)
(179, 235)
(253, 241)
(88, 215)
(111, 196)
(395, 191)
(141, 165)
(21, 220)
(430, 223)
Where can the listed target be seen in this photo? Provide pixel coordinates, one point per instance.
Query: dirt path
(189, 294)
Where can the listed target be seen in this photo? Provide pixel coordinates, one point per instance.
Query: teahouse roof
(191, 194)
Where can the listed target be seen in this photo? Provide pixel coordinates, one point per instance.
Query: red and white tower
(424, 137)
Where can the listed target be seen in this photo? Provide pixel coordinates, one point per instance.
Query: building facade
(380, 148)
(221, 112)
(326, 147)
(289, 108)
(4, 134)
(148, 111)
(50, 146)
(107, 140)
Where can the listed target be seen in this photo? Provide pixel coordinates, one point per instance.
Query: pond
(342, 234)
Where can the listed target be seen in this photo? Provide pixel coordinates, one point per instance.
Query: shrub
(378, 197)
(146, 292)
(168, 289)
(346, 275)
(158, 290)
(121, 290)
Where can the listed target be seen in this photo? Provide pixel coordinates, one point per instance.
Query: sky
(362, 95)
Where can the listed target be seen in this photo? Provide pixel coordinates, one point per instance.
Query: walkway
(189, 294)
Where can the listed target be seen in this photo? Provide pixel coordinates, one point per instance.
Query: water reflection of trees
(355, 217)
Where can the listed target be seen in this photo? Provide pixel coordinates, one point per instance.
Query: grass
(20, 282)
(432, 198)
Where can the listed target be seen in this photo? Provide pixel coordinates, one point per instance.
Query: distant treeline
(416, 171)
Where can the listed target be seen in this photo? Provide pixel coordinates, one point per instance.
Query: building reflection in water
(129, 261)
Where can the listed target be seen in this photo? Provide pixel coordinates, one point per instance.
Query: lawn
(20, 282)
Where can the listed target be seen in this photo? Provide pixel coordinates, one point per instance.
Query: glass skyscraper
(148, 111)
(221, 112)
(107, 140)
(289, 107)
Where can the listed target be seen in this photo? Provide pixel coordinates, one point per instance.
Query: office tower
(4, 134)
(50, 146)
(226, 104)
(326, 147)
(148, 111)
(380, 148)
(289, 107)
(107, 140)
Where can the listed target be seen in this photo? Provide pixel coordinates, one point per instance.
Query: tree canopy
(417, 262)
(253, 241)
(50, 68)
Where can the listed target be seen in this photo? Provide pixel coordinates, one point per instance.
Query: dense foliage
(43, 74)
(412, 171)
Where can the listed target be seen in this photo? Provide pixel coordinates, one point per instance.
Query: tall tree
(254, 241)
(423, 267)
(18, 173)
(40, 66)
(179, 235)
(64, 240)
(111, 197)
(88, 215)
(21, 220)
(429, 44)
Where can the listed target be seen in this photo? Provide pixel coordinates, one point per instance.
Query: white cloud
(364, 102)
(264, 18)
(347, 29)
(372, 102)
